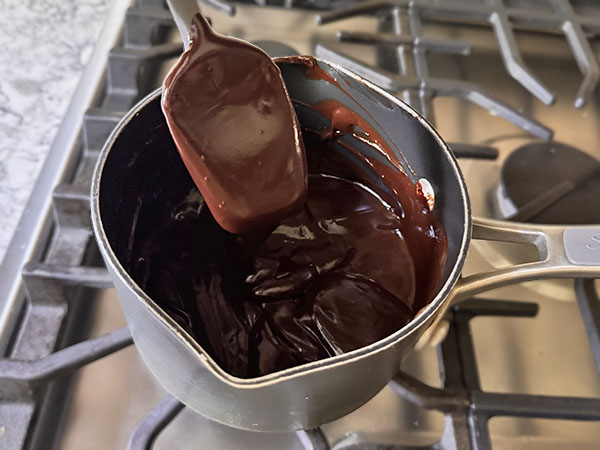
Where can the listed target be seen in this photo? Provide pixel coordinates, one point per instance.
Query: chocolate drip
(329, 279)
(334, 277)
(354, 264)
(230, 115)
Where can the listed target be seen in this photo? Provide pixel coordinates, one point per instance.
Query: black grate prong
(503, 20)
(589, 306)
(313, 439)
(473, 151)
(436, 87)
(21, 375)
(147, 430)
(512, 57)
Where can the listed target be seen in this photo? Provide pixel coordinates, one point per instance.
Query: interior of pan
(143, 170)
(420, 149)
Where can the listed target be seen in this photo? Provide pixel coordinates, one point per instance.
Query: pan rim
(426, 313)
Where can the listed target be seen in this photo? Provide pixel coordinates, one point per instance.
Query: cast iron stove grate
(35, 376)
(405, 17)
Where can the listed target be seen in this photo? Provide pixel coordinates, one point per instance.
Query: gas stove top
(519, 367)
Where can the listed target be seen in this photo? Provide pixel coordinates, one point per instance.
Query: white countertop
(44, 47)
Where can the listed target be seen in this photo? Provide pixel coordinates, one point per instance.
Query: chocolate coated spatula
(234, 125)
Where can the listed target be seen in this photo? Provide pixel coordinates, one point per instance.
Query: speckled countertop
(44, 47)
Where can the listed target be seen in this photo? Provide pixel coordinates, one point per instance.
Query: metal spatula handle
(183, 11)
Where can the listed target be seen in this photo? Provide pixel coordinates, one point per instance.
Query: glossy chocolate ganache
(351, 266)
(231, 117)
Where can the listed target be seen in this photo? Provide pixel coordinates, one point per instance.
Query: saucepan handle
(564, 252)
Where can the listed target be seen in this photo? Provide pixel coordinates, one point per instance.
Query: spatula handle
(183, 11)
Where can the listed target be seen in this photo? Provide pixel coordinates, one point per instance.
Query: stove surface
(530, 340)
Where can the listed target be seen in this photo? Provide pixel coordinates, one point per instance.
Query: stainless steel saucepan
(313, 394)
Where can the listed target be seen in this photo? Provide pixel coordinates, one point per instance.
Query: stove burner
(551, 183)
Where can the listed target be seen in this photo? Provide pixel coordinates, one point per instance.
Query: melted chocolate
(230, 115)
(334, 277)
(425, 236)
(317, 285)
(353, 265)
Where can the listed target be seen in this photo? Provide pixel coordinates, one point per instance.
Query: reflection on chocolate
(358, 259)
(230, 115)
(329, 279)
(334, 277)
(424, 235)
